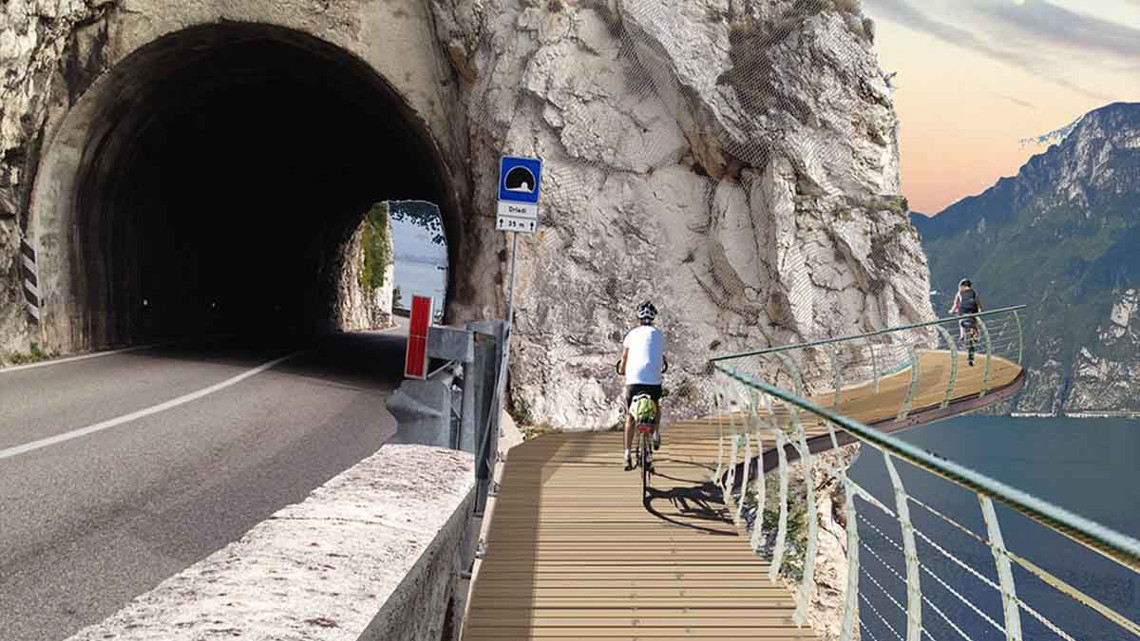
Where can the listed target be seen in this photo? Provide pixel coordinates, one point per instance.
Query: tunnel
(223, 168)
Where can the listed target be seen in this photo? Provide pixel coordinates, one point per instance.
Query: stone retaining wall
(375, 553)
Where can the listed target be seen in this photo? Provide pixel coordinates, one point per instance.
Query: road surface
(118, 471)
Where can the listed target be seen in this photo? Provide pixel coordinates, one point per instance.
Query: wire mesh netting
(735, 162)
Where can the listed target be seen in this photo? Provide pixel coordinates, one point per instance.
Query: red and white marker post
(416, 358)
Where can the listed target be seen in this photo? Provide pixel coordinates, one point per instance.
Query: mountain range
(1063, 237)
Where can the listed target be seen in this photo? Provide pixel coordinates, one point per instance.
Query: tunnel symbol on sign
(520, 179)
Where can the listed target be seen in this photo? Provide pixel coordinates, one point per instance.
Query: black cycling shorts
(654, 392)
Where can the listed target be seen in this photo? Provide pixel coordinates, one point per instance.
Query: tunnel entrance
(220, 171)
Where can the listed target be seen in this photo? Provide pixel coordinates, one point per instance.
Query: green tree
(422, 214)
(377, 247)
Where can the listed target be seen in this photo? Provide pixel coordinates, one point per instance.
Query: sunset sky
(976, 77)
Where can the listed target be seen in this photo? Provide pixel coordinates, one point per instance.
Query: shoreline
(1105, 414)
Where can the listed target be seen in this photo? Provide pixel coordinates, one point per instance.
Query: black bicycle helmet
(646, 311)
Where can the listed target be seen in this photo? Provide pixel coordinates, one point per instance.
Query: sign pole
(519, 182)
(511, 291)
(503, 373)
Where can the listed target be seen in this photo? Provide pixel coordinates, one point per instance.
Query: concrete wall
(375, 553)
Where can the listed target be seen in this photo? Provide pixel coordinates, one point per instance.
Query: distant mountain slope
(1063, 236)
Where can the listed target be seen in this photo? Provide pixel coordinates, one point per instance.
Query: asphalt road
(180, 460)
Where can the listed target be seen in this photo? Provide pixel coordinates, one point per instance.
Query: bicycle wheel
(645, 448)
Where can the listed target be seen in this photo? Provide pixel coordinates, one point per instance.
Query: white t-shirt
(646, 345)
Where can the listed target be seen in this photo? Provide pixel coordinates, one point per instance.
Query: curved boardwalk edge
(576, 551)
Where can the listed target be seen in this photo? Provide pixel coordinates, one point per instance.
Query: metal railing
(915, 569)
(842, 370)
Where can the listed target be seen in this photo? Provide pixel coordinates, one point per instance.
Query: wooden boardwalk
(575, 551)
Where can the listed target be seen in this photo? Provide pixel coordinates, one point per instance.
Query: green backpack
(642, 408)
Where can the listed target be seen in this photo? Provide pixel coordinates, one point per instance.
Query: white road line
(154, 409)
(72, 359)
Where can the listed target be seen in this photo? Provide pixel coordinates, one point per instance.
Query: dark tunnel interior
(226, 168)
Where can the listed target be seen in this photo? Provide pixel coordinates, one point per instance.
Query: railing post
(758, 524)
(747, 465)
(807, 583)
(797, 380)
(1005, 571)
(782, 521)
(910, 552)
(722, 409)
(730, 474)
(912, 389)
(953, 345)
(874, 367)
(989, 355)
(851, 606)
(1020, 337)
(837, 377)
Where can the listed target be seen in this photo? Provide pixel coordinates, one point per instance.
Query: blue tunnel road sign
(519, 182)
(519, 179)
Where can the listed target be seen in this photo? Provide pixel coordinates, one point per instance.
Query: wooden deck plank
(574, 552)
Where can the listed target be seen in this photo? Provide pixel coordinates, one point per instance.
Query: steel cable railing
(754, 415)
(840, 372)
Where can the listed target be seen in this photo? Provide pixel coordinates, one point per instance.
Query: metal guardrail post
(797, 380)
(747, 464)
(837, 376)
(910, 551)
(1005, 571)
(874, 367)
(782, 520)
(807, 583)
(1020, 337)
(730, 478)
(759, 487)
(722, 410)
(911, 389)
(989, 355)
(851, 601)
(953, 345)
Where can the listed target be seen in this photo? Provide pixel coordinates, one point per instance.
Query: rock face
(735, 162)
(1060, 237)
(358, 306)
(828, 595)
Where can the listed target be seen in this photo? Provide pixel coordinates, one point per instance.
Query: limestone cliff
(736, 162)
(359, 305)
(828, 593)
(42, 42)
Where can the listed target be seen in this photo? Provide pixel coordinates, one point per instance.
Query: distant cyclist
(967, 301)
(642, 363)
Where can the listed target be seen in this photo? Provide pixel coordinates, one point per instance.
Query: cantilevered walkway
(575, 550)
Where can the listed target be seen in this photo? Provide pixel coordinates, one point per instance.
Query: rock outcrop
(360, 306)
(736, 162)
(828, 592)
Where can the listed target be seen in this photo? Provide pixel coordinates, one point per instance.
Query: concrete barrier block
(372, 554)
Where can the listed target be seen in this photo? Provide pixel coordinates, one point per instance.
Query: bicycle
(644, 412)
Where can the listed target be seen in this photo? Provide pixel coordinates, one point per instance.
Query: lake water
(1087, 466)
(422, 279)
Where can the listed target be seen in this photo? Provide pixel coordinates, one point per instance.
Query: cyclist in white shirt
(642, 363)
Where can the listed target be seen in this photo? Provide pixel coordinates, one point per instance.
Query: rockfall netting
(736, 162)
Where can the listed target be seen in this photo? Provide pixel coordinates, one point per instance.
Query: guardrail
(993, 341)
(907, 574)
